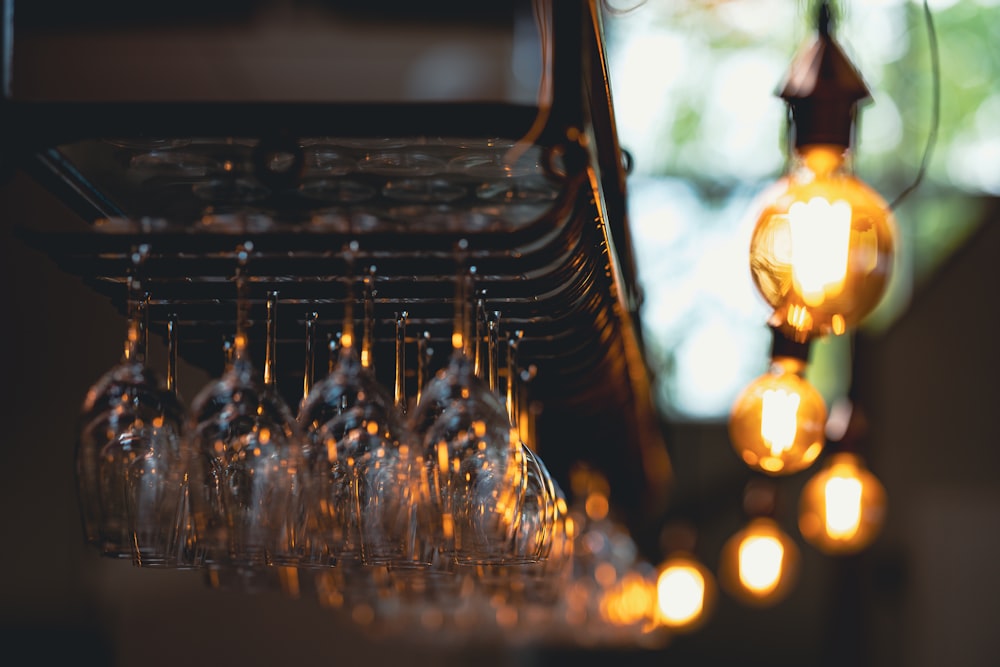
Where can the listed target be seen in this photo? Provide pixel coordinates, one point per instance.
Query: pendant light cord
(932, 45)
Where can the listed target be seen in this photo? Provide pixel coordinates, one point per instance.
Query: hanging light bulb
(776, 424)
(685, 592)
(759, 564)
(842, 507)
(822, 248)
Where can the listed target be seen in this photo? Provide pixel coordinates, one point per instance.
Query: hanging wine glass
(129, 457)
(536, 520)
(248, 458)
(398, 510)
(358, 457)
(188, 550)
(471, 454)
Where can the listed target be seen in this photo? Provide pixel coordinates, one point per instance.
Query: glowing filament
(680, 594)
(778, 420)
(821, 234)
(760, 559)
(843, 507)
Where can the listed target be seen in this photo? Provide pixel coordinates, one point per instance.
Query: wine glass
(533, 532)
(471, 455)
(362, 469)
(187, 549)
(129, 455)
(248, 457)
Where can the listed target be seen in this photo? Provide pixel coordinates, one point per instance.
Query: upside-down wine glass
(536, 518)
(248, 458)
(129, 458)
(359, 459)
(472, 456)
(189, 554)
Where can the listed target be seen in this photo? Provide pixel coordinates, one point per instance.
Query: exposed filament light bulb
(820, 241)
(777, 422)
(759, 564)
(685, 592)
(842, 507)
(760, 560)
(779, 409)
(822, 248)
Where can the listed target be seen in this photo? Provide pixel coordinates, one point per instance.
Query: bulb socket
(782, 346)
(818, 121)
(823, 89)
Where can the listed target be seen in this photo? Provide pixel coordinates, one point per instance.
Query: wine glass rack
(536, 191)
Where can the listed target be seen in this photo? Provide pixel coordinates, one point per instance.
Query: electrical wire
(543, 19)
(932, 46)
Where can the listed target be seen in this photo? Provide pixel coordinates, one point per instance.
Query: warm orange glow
(131, 340)
(605, 575)
(596, 506)
(684, 591)
(842, 507)
(822, 249)
(761, 558)
(631, 601)
(363, 614)
(447, 525)
(442, 452)
(777, 423)
(759, 564)
(820, 240)
(288, 578)
(778, 419)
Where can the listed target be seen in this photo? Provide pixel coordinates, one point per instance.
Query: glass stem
(144, 328)
(347, 336)
(460, 332)
(228, 351)
(493, 350)
(480, 311)
(172, 353)
(134, 349)
(332, 346)
(424, 353)
(400, 393)
(242, 305)
(513, 372)
(271, 349)
(461, 339)
(368, 330)
(309, 370)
